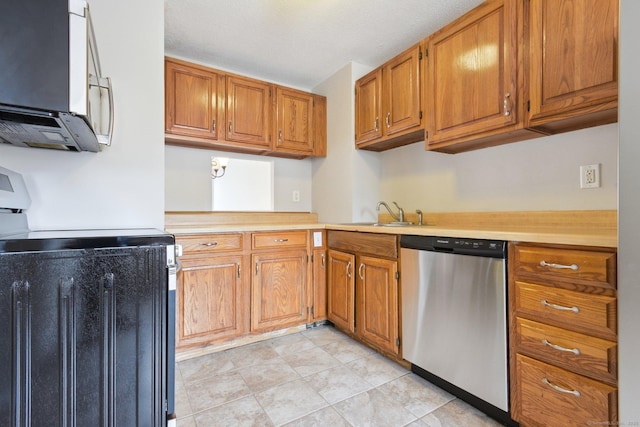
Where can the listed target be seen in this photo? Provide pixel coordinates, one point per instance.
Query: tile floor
(318, 377)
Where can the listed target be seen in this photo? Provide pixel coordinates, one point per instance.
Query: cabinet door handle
(279, 134)
(257, 268)
(575, 351)
(375, 124)
(576, 393)
(239, 270)
(506, 104)
(573, 267)
(349, 269)
(230, 127)
(209, 244)
(281, 240)
(387, 120)
(361, 271)
(322, 257)
(213, 126)
(559, 307)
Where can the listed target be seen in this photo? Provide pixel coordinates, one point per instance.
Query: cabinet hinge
(269, 92)
(528, 105)
(308, 259)
(397, 342)
(420, 56)
(426, 53)
(312, 259)
(420, 115)
(397, 275)
(313, 311)
(426, 135)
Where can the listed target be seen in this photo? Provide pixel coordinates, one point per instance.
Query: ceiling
(300, 43)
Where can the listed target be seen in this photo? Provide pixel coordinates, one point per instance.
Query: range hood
(52, 93)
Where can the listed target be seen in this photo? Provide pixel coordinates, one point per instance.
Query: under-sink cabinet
(362, 288)
(563, 334)
(231, 285)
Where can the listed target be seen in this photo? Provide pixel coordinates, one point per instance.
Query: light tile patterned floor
(318, 377)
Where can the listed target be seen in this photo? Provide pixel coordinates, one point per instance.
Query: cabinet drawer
(551, 396)
(590, 313)
(598, 268)
(207, 243)
(279, 239)
(577, 352)
(373, 244)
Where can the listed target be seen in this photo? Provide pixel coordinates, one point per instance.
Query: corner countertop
(588, 228)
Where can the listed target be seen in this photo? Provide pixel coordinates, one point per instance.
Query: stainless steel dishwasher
(454, 321)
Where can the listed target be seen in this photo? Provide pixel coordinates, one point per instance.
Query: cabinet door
(402, 92)
(248, 112)
(191, 101)
(573, 63)
(319, 303)
(341, 289)
(83, 337)
(377, 302)
(210, 300)
(369, 106)
(278, 290)
(473, 74)
(294, 121)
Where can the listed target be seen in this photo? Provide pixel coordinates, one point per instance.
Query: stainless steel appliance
(454, 321)
(52, 92)
(88, 322)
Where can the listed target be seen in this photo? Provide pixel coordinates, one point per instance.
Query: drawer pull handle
(209, 244)
(576, 393)
(573, 267)
(281, 240)
(560, 348)
(560, 307)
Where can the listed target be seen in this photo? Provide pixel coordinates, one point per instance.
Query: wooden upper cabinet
(191, 107)
(573, 63)
(207, 108)
(475, 90)
(368, 107)
(294, 127)
(402, 91)
(248, 112)
(388, 103)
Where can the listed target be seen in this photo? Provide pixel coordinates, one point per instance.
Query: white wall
(346, 182)
(121, 187)
(629, 212)
(540, 174)
(188, 179)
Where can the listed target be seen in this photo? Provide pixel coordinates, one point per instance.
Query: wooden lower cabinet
(231, 285)
(278, 290)
(362, 288)
(563, 335)
(377, 302)
(551, 396)
(211, 299)
(341, 290)
(318, 298)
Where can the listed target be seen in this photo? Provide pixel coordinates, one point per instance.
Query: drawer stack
(563, 334)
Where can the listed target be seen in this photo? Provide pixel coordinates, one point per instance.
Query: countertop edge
(549, 235)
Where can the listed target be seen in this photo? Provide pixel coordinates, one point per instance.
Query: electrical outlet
(295, 196)
(590, 176)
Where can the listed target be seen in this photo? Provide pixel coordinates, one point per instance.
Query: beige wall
(629, 212)
(541, 174)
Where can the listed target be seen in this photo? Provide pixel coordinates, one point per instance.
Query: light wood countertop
(589, 228)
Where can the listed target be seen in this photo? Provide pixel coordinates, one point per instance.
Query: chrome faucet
(419, 212)
(399, 217)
